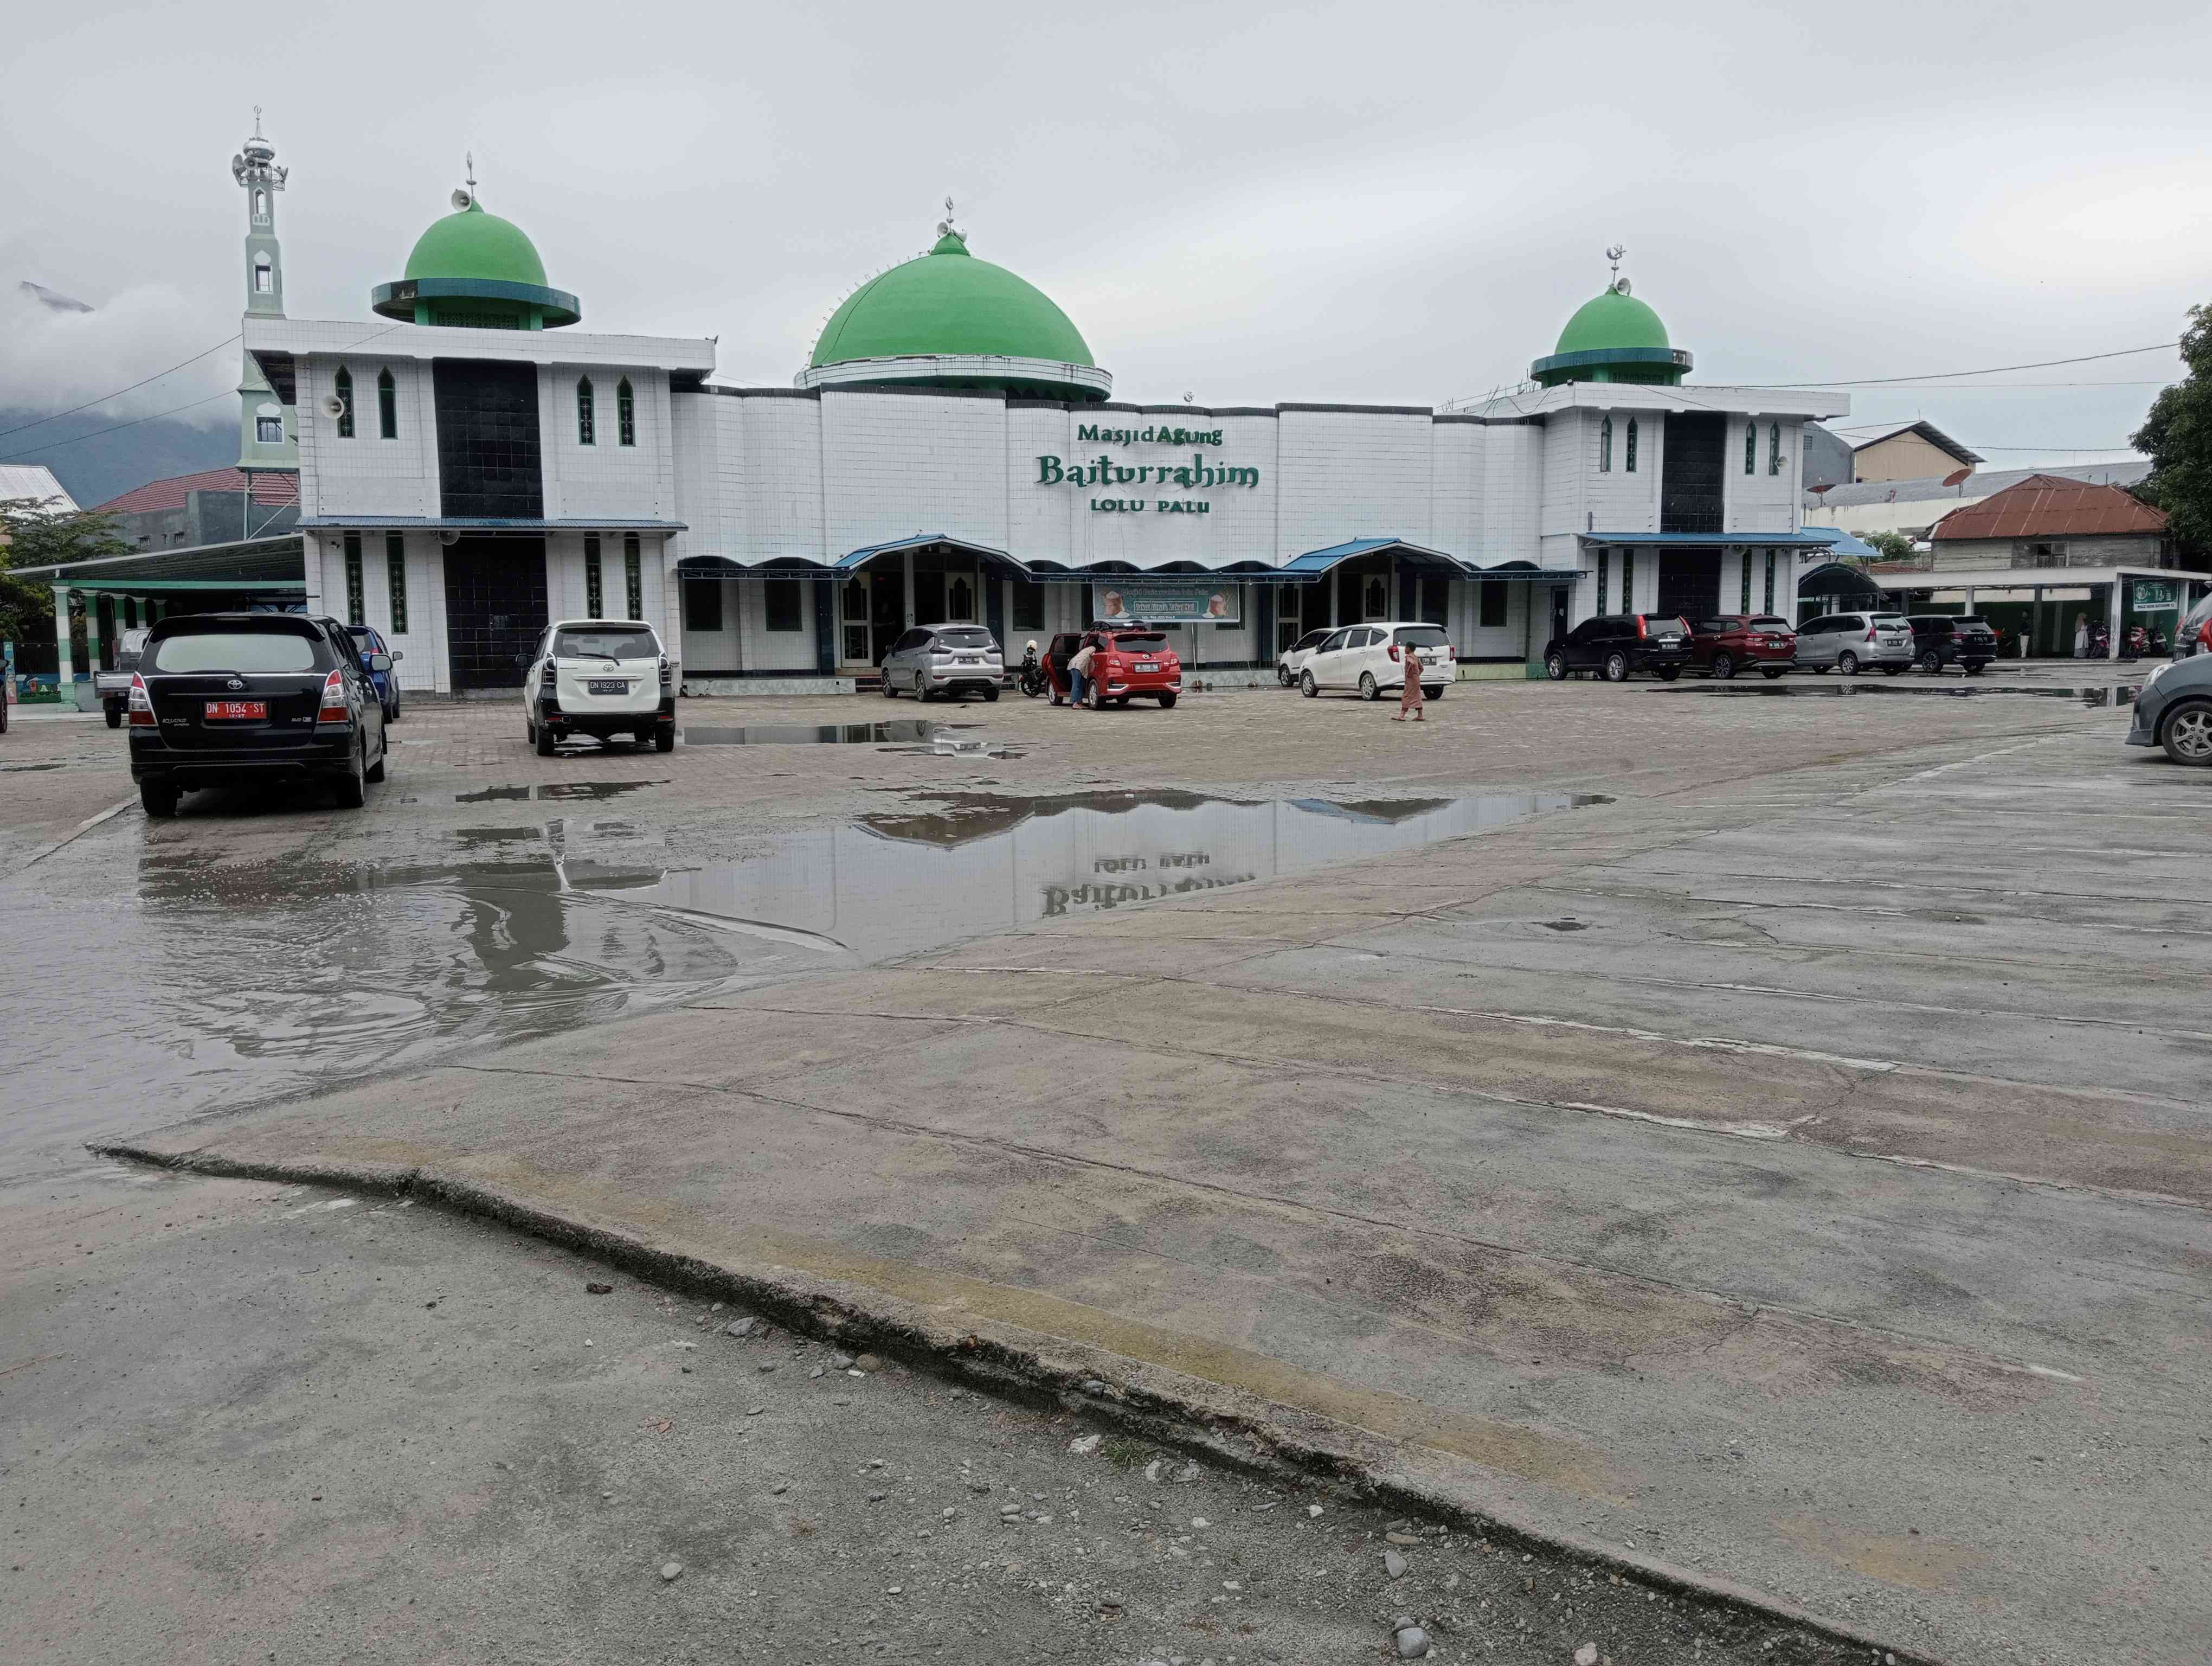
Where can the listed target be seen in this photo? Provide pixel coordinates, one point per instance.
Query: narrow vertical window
(586, 422)
(625, 414)
(632, 577)
(343, 388)
(355, 604)
(1604, 454)
(130, 613)
(594, 595)
(1601, 581)
(387, 405)
(1632, 454)
(1751, 448)
(1774, 448)
(1770, 580)
(264, 276)
(1628, 575)
(395, 568)
(261, 205)
(1747, 583)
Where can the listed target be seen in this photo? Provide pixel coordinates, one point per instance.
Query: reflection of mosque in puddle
(891, 884)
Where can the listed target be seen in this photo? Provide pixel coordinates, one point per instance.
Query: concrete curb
(1169, 1409)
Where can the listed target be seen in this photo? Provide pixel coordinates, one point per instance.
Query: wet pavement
(2122, 694)
(214, 983)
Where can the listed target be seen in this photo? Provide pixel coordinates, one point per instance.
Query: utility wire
(118, 392)
(1945, 376)
(119, 427)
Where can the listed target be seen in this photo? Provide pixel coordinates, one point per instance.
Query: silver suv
(1852, 642)
(944, 658)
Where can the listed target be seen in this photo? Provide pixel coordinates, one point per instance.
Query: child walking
(1411, 700)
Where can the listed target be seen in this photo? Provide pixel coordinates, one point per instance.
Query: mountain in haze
(96, 470)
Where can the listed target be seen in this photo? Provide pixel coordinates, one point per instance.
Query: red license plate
(233, 711)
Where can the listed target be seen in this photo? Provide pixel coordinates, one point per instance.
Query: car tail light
(1640, 631)
(331, 708)
(1394, 654)
(140, 703)
(664, 673)
(546, 680)
(1869, 631)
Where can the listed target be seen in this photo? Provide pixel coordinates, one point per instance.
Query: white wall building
(950, 452)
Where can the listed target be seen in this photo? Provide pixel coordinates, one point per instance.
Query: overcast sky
(1367, 203)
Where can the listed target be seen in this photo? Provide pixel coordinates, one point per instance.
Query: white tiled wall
(1761, 501)
(606, 478)
(368, 474)
(1348, 475)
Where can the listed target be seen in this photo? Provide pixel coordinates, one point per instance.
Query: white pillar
(2112, 614)
(908, 559)
(67, 661)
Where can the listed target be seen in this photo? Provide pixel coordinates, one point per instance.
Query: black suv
(223, 699)
(1947, 639)
(1614, 644)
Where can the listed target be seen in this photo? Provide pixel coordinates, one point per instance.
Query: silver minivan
(944, 658)
(1852, 642)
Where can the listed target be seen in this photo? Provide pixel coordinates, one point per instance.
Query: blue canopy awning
(1319, 564)
(983, 552)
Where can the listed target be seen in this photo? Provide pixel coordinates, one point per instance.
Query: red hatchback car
(1726, 643)
(1131, 664)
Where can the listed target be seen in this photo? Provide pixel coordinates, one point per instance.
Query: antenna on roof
(469, 162)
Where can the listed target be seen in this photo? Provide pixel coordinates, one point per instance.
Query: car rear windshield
(1658, 622)
(1140, 641)
(965, 639)
(1970, 622)
(607, 641)
(1422, 636)
(1768, 622)
(244, 651)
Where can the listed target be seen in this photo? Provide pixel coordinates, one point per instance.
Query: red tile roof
(268, 488)
(2051, 505)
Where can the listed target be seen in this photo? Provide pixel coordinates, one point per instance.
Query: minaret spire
(265, 427)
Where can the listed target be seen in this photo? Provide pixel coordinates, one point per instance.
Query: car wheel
(1058, 698)
(1893, 671)
(2186, 735)
(1723, 667)
(395, 712)
(159, 798)
(1616, 667)
(664, 738)
(1931, 662)
(1167, 701)
(1307, 686)
(1123, 701)
(1283, 676)
(1555, 666)
(1092, 698)
(1369, 688)
(352, 785)
(544, 741)
(1770, 675)
(889, 693)
(1436, 693)
(1668, 674)
(1847, 664)
(990, 696)
(114, 717)
(1973, 670)
(374, 774)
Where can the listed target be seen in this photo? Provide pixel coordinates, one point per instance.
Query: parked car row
(1617, 646)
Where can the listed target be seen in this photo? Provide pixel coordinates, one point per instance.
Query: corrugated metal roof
(268, 488)
(2051, 505)
(1986, 483)
(1928, 431)
(34, 480)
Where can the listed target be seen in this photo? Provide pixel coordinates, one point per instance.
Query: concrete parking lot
(1752, 1134)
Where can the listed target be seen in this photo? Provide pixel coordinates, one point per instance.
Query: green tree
(32, 535)
(1888, 545)
(2176, 437)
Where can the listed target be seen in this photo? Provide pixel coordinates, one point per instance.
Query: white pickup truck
(114, 687)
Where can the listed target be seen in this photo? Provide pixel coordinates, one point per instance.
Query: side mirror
(380, 662)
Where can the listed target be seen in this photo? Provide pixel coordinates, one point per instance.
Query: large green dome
(1612, 337)
(951, 312)
(475, 270)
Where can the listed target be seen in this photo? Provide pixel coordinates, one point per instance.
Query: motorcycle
(1029, 678)
(2132, 645)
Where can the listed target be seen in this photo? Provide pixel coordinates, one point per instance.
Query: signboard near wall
(2152, 597)
(1189, 598)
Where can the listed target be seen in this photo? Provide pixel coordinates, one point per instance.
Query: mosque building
(473, 463)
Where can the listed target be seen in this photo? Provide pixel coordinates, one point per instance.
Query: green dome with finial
(474, 269)
(946, 318)
(1612, 337)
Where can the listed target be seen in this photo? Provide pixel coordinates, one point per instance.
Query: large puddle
(907, 730)
(2124, 694)
(210, 984)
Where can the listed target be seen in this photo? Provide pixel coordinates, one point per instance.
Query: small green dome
(474, 244)
(1612, 319)
(1612, 337)
(948, 304)
(474, 269)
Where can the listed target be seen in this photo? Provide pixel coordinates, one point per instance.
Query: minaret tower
(267, 429)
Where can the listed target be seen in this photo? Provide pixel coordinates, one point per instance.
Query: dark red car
(1726, 643)
(1132, 663)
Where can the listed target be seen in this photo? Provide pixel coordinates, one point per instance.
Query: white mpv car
(601, 677)
(1370, 657)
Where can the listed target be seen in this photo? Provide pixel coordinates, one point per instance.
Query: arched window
(1631, 462)
(265, 275)
(587, 428)
(1605, 446)
(1774, 448)
(1751, 447)
(268, 424)
(261, 205)
(343, 388)
(387, 404)
(625, 414)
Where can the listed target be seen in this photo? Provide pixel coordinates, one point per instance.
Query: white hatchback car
(1371, 659)
(601, 677)
(1293, 660)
